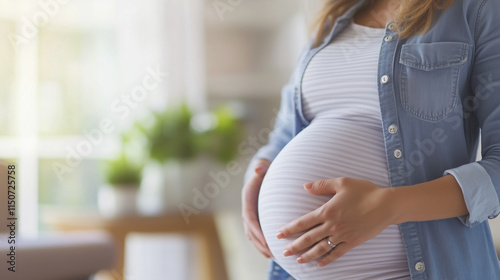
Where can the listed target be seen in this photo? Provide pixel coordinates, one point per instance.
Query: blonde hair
(413, 16)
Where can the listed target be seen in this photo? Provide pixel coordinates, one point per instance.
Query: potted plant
(123, 178)
(170, 135)
(220, 140)
(184, 146)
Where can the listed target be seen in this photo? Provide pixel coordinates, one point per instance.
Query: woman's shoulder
(477, 8)
(482, 15)
(479, 16)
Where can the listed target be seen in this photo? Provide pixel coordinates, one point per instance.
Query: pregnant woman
(371, 171)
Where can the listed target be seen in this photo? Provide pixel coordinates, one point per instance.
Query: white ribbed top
(344, 139)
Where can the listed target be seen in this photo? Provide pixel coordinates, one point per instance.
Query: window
(69, 66)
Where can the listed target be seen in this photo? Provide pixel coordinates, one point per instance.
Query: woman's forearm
(438, 199)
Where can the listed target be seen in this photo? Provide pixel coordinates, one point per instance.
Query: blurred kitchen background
(105, 103)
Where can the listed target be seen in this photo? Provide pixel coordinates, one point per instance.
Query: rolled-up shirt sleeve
(479, 192)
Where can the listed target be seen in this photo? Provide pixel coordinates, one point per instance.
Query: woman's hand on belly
(250, 196)
(356, 213)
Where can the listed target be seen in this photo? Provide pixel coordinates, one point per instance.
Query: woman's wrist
(390, 205)
(438, 199)
(394, 200)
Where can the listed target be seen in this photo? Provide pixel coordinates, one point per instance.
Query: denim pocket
(429, 78)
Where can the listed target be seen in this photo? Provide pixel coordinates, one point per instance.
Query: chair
(54, 256)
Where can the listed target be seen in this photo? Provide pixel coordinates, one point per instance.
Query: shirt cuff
(479, 193)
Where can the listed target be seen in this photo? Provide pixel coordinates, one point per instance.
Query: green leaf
(121, 171)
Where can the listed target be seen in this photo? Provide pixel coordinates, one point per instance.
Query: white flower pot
(116, 201)
(165, 186)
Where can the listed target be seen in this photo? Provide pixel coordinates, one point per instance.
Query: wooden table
(201, 226)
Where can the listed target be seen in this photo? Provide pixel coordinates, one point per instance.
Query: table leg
(213, 252)
(118, 271)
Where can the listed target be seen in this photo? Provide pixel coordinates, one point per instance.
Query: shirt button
(393, 129)
(420, 266)
(388, 38)
(384, 79)
(398, 153)
(392, 26)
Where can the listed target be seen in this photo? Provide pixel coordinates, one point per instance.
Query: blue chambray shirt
(439, 96)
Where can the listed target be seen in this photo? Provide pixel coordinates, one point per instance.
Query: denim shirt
(439, 96)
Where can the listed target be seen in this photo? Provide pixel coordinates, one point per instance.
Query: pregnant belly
(321, 151)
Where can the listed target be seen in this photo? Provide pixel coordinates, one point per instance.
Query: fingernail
(280, 235)
(287, 253)
(320, 264)
(308, 185)
(300, 260)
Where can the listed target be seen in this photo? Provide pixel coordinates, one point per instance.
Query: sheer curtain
(166, 35)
